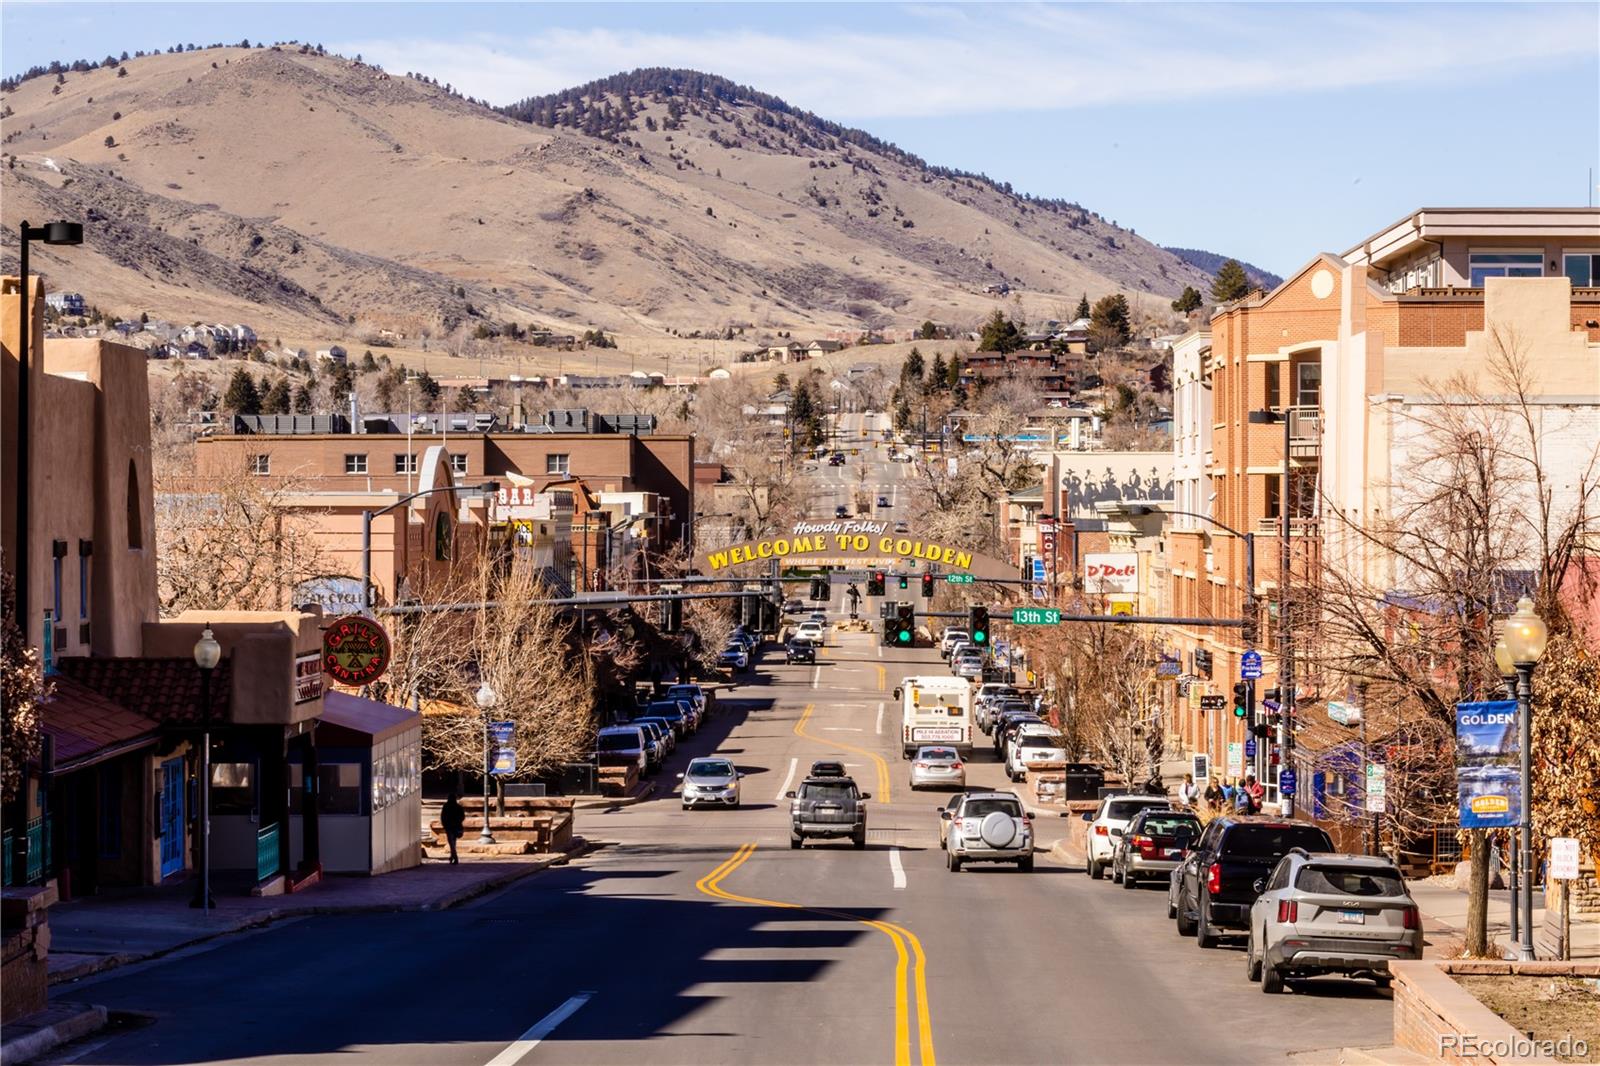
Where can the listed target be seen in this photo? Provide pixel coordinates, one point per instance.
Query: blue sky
(1265, 131)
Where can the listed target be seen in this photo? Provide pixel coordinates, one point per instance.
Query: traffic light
(820, 591)
(875, 583)
(671, 615)
(1202, 662)
(905, 582)
(978, 626)
(905, 624)
(1241, 700)
(890, 627)
(927, 586)
(1251, 632)
(752, 611)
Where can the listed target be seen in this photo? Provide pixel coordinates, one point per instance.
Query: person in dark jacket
(453, 819)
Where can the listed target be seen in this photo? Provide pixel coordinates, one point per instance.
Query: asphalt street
(700, 937)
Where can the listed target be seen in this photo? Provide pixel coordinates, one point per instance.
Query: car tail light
(1145, 845)
(1288, 910)
(1101, 831)
(1214, 879)
(955, 766)
(1410, 919)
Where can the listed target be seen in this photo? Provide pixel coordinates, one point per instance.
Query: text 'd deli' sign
(1111, 572)
(847, 542)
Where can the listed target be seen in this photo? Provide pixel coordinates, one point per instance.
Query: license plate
(1173, 853)
(1353, 917)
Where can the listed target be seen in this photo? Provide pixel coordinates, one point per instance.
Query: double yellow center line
(883, 766)
(907, 949)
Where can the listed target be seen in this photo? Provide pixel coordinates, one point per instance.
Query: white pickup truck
(935, 710)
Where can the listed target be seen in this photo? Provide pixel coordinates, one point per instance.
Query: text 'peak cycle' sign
(854, 542)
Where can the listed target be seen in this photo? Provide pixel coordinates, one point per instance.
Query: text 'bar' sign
(1250, 666)
(1035, 616)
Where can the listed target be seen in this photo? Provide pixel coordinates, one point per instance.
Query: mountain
(1211, 262)
(310, 194)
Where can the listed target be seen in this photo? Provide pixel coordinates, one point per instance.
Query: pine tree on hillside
(1109, 320)
(999, 334)
(303, 404)
(1083, 307)
(912, 369)
(242, 397)
(936, 374)
(277, 399)
(1230, 283)
(429, 389)
(952, 374)
(1188, 300)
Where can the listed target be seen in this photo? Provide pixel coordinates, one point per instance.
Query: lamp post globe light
(486, 701)
(207, 654)
(1525, 639)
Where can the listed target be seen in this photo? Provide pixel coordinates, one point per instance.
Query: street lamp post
(1525, 638)
(486, 700)
(488, 488)
(1508, 676)
(55, 233)
(207, 653)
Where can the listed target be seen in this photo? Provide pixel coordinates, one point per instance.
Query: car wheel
(1096, 870)
(1128, 880)
(1382, 980)
(859, 839)
(952, 861)
(1025, 864)
(1252, 964)
(1116, 873)
(1185, 923)
(1271, 978)
(1204, 935)
(795, 841)
(685, 806)
(1172, 911)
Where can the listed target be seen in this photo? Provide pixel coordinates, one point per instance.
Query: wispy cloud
(950, 60)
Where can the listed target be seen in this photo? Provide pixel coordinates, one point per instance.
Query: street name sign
(958, 579)
(1250, 748)
(1213, 703)
(1286, 782)
(1250, 666)
(1035, 616)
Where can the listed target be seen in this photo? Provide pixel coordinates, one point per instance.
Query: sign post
(1250, 666)
(1564, 869)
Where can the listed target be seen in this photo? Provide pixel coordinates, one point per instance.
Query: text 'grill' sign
(355, 650)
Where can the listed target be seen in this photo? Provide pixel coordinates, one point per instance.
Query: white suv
(1109, 822)
(987, 827)
(949, 638)
(1037, 746)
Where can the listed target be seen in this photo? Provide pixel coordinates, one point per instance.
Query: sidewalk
(1445, 909)
(100, 932)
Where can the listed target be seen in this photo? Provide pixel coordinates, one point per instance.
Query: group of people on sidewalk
(1241, 796)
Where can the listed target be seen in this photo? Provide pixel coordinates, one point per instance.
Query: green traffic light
(979, 637)
(1238, 711)
(904, 635)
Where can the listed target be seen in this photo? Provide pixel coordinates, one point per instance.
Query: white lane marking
(840, 729)
(880, 651)
(518, 1049)
(879, 727)
(816, 677)
(896, 869)
(788, 777)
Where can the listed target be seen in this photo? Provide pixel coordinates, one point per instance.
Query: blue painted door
(171, 817)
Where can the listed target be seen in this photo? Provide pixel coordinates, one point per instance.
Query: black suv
(799, 651)
(828, 807)
(1216, 883)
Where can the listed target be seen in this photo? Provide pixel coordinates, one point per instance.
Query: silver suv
(829, 806)
(1321, 912)
(986, 827)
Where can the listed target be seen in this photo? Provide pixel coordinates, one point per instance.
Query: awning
(87, 728)
(350, 721)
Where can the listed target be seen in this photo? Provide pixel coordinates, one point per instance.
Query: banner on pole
(1488, 778)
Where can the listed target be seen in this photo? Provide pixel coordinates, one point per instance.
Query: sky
(1264, 131)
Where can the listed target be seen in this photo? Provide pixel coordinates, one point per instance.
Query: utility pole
(1286, 648)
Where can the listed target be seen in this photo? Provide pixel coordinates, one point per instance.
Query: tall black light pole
(1526, 636)
(207, 653)
(56, 233)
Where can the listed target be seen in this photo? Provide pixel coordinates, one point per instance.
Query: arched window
(135, 512)
(441, 537)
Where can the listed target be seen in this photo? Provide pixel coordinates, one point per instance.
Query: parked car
(902, 527)
(734, 657)
(1114, 812)
(1153, 844)
(690, 711)
(968, 665)
(989, 696)
(670, 711)
(949, 637)
(987, 827)
(934, 766)
(622, 745)
(712, 781)
(799, 651)
(997, 709)
(1034, 747)
(669, 734)
(1219, 878)
(1322, 913)
(693, 693)
(883, 501)
(828, 807)
(1008, 725)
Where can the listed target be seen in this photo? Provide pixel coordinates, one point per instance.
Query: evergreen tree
(902, 412)
(1188, 300)
(928, 331)
(368, 363)
(1230, 283)
(242, 397)
(303, 404)
(937, 374)
(1083, 307)
(912, 369)
(429, 389)
(999, 334)
(952, 374)
(780, 383)
(278, 399)
(339, 385)
(1110, 318)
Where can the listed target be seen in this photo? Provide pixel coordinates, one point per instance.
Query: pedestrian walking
(453, 819)
(1214, 794)
(1256, 792)
(1241, 798)
(1188, 792)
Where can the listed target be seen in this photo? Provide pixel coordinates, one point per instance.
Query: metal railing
(34, 870)
(8, 844)
(1298, 527)
(266, 851)
(1305, 432)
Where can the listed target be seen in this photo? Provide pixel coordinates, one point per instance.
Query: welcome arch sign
(856, 543)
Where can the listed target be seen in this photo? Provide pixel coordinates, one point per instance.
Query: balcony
(1298, 527)
(1305, 432)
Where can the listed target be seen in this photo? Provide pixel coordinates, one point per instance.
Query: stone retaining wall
(1443, 1022)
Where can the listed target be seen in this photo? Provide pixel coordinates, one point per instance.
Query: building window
(458, 463)
(233, 788)
(405, 464)
(558, 463)
(355, 464)
(1273, 373)
(56, 570)
(441, 537)
(1307, 384)
(1482, 265)
(1274, 495)
(1582, 268)
(85, 553)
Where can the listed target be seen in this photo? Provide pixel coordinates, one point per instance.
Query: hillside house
(793, 352)
(823, 347)
(332, 354)
(66, 303)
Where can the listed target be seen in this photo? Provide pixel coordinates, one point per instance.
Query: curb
(607, 802)
(80, 1021)
(1065, 855)
(265, 918)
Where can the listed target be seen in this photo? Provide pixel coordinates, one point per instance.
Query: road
(700, 937)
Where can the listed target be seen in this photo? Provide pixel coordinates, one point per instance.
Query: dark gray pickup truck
(1213, 888)
(828, 807)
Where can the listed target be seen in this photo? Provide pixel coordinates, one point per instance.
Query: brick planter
(1435, 1017)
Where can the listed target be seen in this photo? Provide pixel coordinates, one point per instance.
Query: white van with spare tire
(987, 827)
